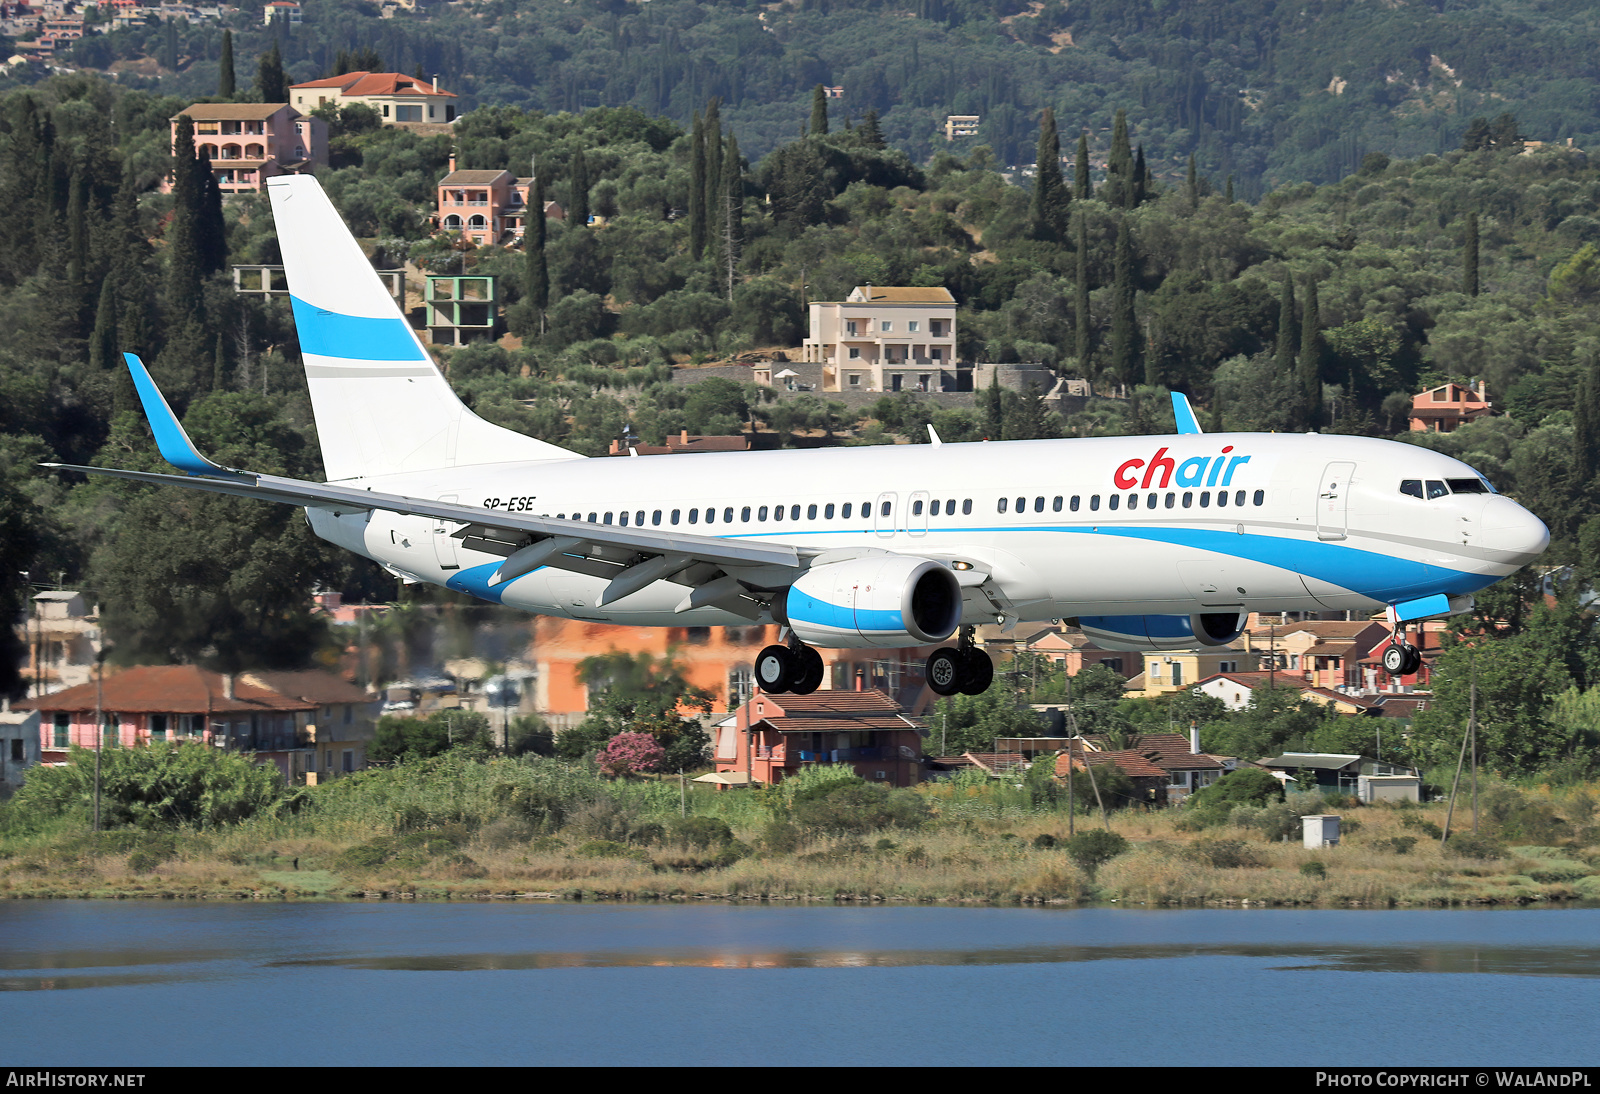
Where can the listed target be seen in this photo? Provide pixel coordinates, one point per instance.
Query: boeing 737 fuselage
(1151, 543)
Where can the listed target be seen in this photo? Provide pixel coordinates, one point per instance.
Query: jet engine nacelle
(873, 601)
(1163, 632)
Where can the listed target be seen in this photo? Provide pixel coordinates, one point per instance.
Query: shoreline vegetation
(467, 825)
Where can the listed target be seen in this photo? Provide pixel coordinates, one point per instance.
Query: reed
(460, 827)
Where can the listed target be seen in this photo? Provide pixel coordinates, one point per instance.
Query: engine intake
(876, 601)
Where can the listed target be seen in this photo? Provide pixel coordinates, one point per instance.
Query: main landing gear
(795, 668)
(1401, 658)
(963, 668)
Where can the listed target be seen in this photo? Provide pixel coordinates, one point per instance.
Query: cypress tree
(1311, 361)
(1586, 428)
(871, 133)
(270, 79)
(732, 211)
(211, 230)
(819, 113)
(1286, 331)
(103, 342)
(1229, 194)
(1050, 196)
(1194, 185)
(536, 267)
(1082, 189)
(697, 190)
(579, 212)
(1080, 298)
(1469, 258)
(1141, 180)
(713, 153)
(25, 187)
(1124, 328)
(1119, 167)
(225, 77)
(78, 244)
(185, 263)
(131, 251)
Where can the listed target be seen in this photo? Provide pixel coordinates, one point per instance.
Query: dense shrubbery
(156, 786)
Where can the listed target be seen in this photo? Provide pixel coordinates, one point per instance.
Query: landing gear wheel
(1413, 661)
(775, 668)
(946, 667)
(1401, 659)
(979, 672)
(808, 670)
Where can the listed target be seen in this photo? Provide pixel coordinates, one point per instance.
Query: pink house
(251, 142)
(1444, 408)
(487, 206)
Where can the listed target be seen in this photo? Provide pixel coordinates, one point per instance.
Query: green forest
(1268, 91)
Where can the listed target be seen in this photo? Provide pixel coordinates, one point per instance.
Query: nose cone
(1510, 528)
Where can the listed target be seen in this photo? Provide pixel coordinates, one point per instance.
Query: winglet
(933, 434)
(175, 445)
(1184, 413)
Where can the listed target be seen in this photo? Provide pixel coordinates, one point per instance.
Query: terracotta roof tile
(376, 83)
(167, 689)
(473, 178)
(233, 112)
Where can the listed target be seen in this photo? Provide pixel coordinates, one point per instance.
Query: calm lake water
(121, 983)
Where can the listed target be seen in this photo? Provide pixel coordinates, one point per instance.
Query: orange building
(719, 659)
(1447, 407)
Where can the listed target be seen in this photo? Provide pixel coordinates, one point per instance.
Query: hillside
(1268, 91)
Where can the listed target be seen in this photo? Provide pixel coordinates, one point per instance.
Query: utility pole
(1472, 728)
(99, 727)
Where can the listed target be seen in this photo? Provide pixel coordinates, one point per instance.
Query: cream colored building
(1168, 672)
(883, 338)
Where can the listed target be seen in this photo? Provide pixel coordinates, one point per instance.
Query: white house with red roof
(399, 99)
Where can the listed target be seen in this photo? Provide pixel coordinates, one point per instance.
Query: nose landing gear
(963, 668)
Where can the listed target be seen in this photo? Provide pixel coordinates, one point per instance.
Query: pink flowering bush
(630, 754)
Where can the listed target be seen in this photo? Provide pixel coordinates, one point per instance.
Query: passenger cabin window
(1075, 503)
(1055, 506)
(1094, 502)
(1004, 503)
(1113, 501)
(966, 507)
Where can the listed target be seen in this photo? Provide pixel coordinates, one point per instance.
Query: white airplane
(1151, 543)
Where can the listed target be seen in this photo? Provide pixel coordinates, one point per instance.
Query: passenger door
(1333, 501)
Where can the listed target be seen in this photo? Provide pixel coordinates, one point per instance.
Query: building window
(855, 353)
(63, 731)
(913, 326)
(886, 325)
(158, 727)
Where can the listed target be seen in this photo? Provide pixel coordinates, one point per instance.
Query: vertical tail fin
(380, 403)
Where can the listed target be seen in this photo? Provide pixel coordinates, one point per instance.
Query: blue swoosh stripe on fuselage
(353, 337)
(1380, 577)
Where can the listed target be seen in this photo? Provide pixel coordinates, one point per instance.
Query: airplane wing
(718, 571)
(631, 557)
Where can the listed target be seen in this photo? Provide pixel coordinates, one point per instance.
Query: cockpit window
(1412, 487)
(1437, 489)
(1468, 486)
